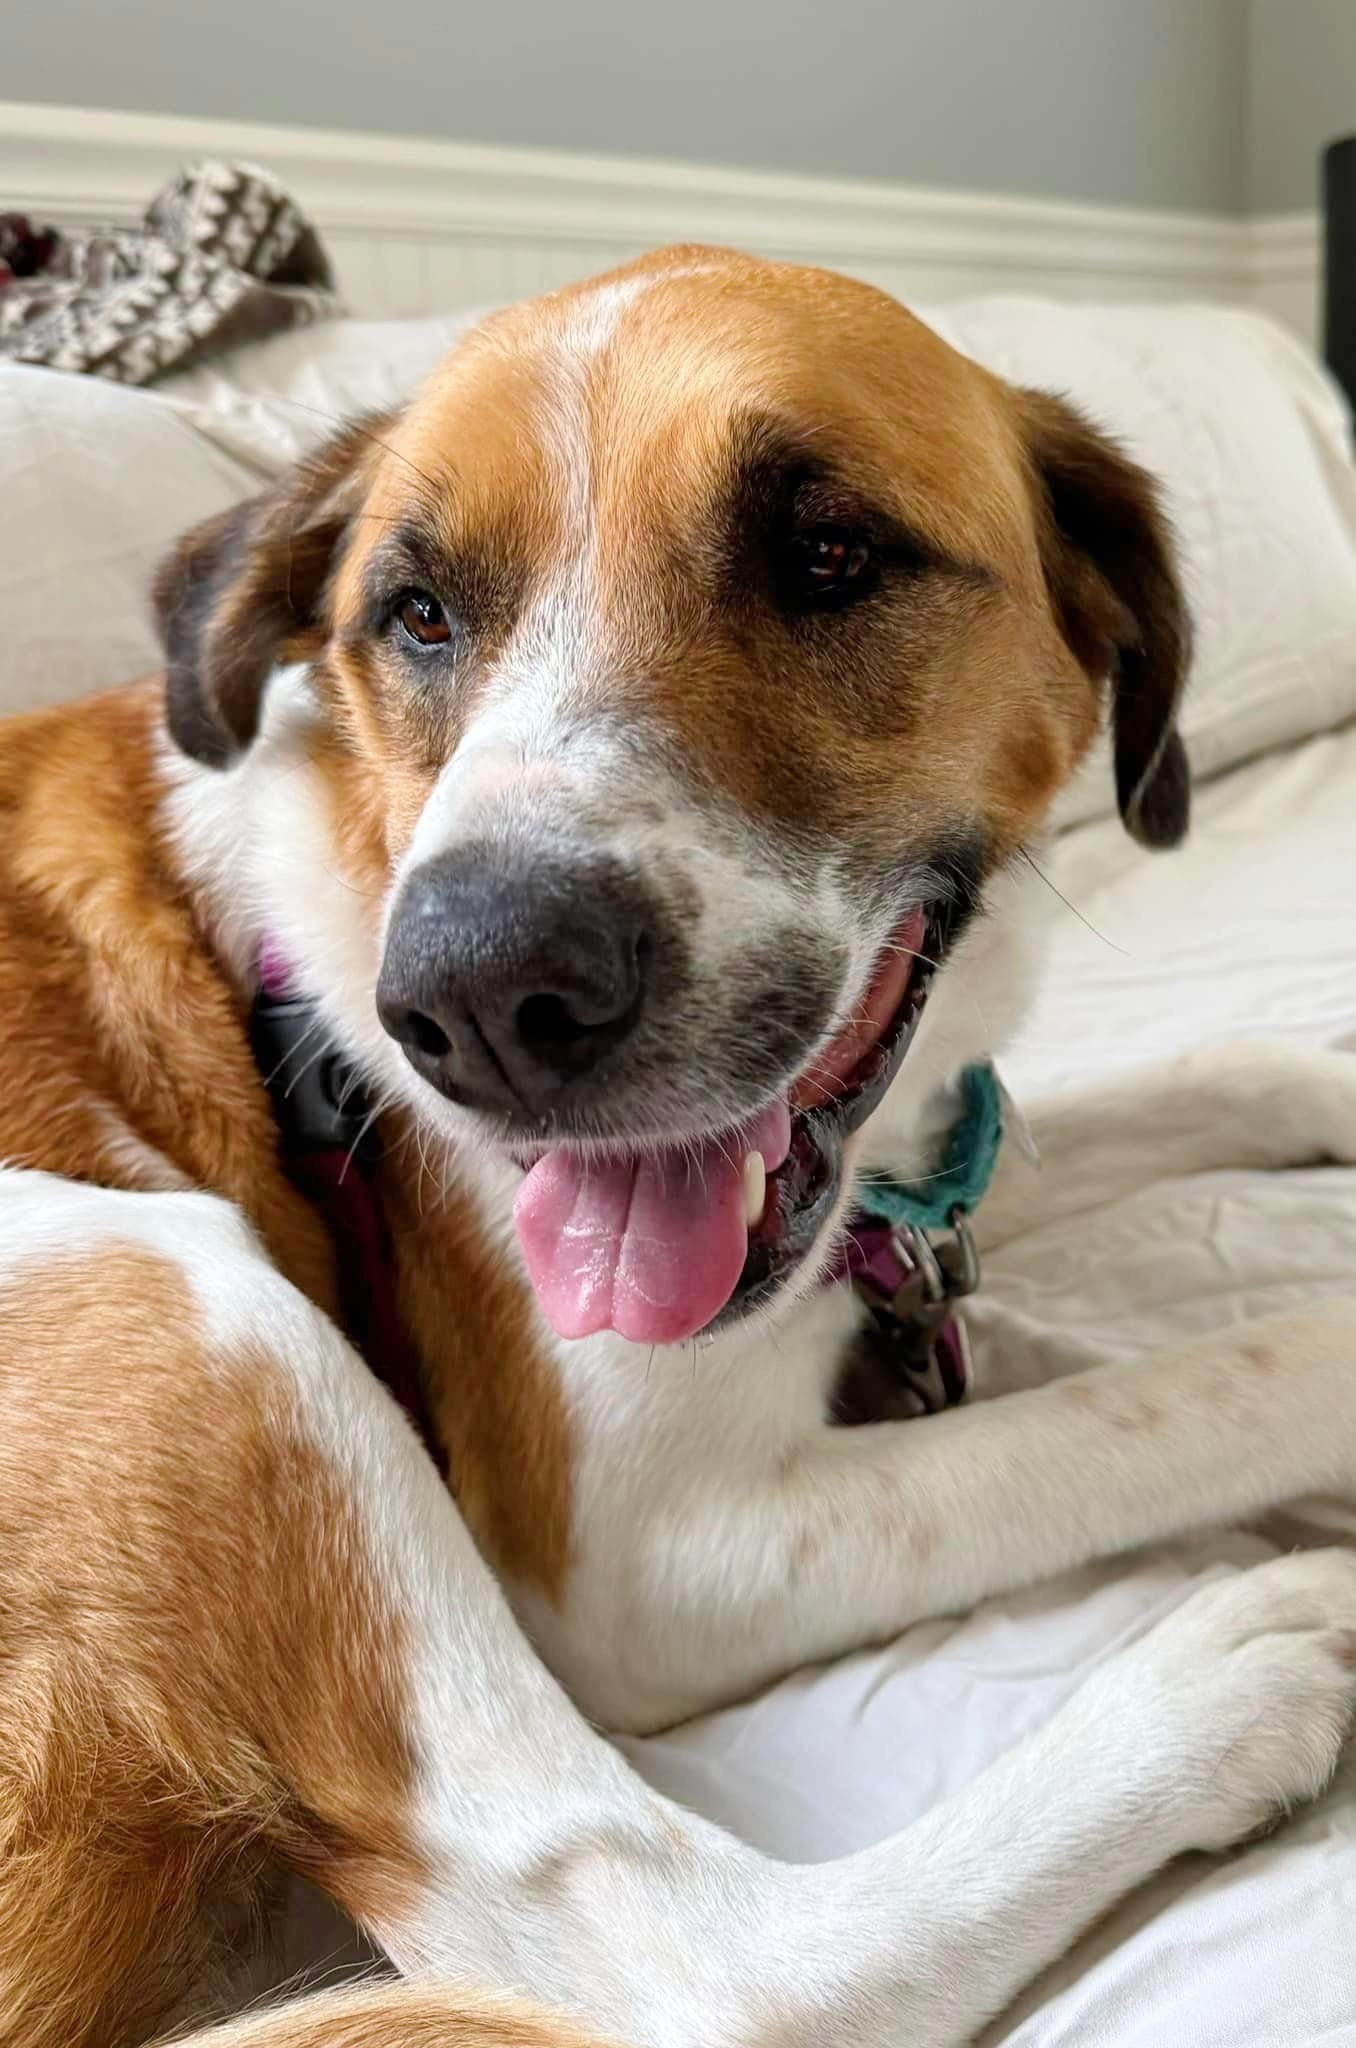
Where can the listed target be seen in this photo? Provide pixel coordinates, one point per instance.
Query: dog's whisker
(363, 1130)
(302, 1071)
(290, 1053)
(1056, 891)
(424, 1169)
(369, 434)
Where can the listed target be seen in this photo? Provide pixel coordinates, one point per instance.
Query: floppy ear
(1109, 565)
(246, 590)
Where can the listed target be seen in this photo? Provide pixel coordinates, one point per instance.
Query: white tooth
(755, 1189)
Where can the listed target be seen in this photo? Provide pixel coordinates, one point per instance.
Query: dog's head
(695, 649)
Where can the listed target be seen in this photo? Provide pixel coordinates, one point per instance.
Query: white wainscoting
(1283, 264)
(417, 226)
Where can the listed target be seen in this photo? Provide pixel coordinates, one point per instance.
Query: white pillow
(96, 482)
(1252, 443)
(272, 400)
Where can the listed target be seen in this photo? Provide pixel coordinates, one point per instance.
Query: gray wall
(1138, 101)
(1301, 93)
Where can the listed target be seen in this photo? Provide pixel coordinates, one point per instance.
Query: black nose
(507, 984)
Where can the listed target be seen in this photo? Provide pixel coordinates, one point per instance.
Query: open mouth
(662, 1247)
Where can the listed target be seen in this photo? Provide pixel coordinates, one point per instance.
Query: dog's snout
(508, 981)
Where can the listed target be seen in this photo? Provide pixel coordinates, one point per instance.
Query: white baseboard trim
(419, 226)
(1283, 269)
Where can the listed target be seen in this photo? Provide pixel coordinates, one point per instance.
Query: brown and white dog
(592, 748)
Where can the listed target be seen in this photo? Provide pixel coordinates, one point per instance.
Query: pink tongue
(650, 1248)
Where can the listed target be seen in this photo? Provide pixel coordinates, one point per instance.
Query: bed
(1248, 932)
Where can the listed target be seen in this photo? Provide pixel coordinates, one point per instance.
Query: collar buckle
(916, 1328)
(937, 1271)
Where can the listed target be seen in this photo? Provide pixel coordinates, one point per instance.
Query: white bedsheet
(1248, 931)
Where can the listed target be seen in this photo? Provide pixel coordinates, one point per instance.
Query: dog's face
(696, 646)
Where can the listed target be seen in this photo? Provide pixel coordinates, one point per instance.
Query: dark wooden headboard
(1339, 262)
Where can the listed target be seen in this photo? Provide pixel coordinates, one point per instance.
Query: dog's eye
(823, 566)
(422, 619)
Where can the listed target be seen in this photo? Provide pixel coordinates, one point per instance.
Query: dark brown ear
(246, 590)
(1109, 564)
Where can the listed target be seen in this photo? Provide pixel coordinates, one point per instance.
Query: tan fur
(163, 1739)
(117, 1014)
(400, 2016)
(506, 1433)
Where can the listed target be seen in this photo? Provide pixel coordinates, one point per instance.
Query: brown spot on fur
(1346, 1649)
(1135, 1415)
(1038, 765)
(493, 1392)
(198, 1671)
(559, 1878)
(1264, 1357)
(116, 1010)
(1117, 1405)
(370, 815)
(401, 2016)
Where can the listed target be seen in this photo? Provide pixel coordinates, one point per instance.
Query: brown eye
(423, 619)
(823, 566)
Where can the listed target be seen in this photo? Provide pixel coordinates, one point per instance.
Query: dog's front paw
(1327, 1085)
(1250, 1689)
(1303, 1097)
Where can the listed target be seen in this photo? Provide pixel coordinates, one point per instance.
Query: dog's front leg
(1241, 1104)
(1224, 1716)
(1226, 1713)
(827, 1539)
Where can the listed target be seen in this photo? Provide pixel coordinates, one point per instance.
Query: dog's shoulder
(127, 1061)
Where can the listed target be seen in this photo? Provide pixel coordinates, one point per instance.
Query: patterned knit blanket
(222, 256)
